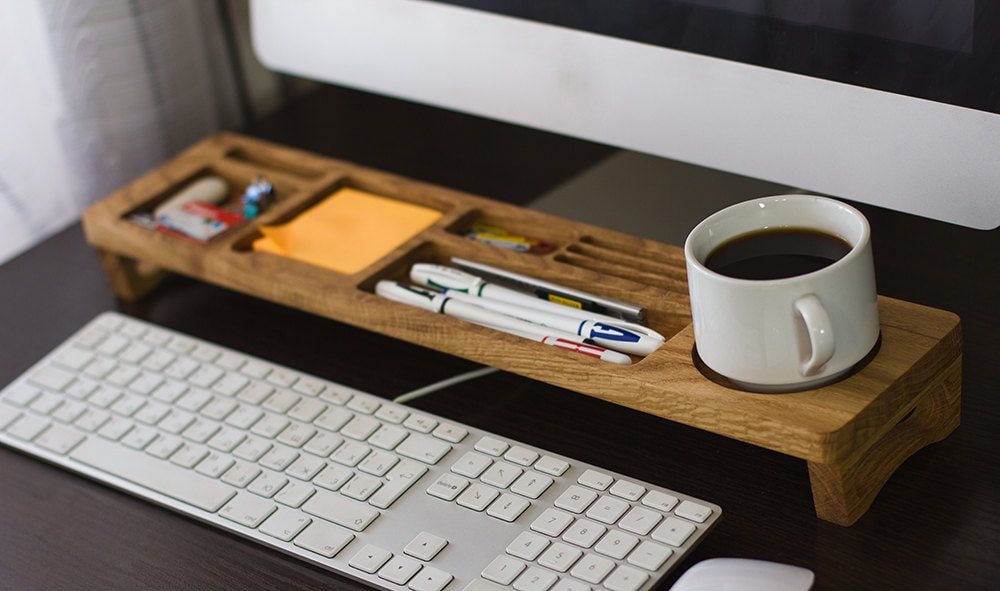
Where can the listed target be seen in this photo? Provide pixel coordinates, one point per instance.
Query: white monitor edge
(917, 156)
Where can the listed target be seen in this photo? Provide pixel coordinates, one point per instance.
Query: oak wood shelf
(852, 434)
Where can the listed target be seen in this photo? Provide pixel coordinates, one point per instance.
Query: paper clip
(496, 236)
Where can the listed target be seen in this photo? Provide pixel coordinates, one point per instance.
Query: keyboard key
(527, 545)
(398, 480)
(340, 510)
(593, 568)
(673, 531)
(503, 570)
(650, 555)
(472, 464)
(21, 394)
(27, 427)
(627, 490)
(74, 358)
(370, 559)
(59, 439)
(421, 423)
(267, 483)
(576, 499)
(284, 524)
(451, 433)
(52, 378)
(425, 546)
(640, 520)
(693, 511)
(531, 485)
(508, 507)
(551, 466)
(501, 474)
(595, 480)
(521, 455)
(608, 509)
(659, 500)
(584, 533)
(361, 487)
(552, 522)
(162, 477)
(559, 557)
(388, 436)
(324, 539)
(477, 497)
(430, 579)
(616, 544)
(448, 487)
(400, 569)
(247, 510)
(492, 446)
(423, 448)
(8, 415)
(626, 578)
(294, 494)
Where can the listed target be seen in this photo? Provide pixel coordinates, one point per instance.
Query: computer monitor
(894, 104)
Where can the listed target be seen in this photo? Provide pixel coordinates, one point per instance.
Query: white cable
(445, 383)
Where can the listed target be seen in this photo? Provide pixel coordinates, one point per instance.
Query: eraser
(209, 189)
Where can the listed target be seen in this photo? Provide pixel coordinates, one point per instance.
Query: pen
(442, 304)
(570, 345)
(603, 334)
(557, 293)
(457, 280)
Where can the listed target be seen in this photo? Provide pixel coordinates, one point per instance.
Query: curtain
(98, 92)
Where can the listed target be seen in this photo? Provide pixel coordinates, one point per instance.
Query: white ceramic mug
(790, 333)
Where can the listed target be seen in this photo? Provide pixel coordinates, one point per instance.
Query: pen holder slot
(147, 207)
(514, 233)
(267, 161)
(631, 270)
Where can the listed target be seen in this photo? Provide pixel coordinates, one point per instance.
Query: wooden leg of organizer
(130, 279)
(842, 492)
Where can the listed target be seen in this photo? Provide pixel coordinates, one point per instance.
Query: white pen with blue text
(443, 304)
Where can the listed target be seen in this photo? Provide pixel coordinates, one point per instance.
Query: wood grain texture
(849, 432)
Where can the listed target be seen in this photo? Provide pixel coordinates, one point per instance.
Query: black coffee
(776, 254)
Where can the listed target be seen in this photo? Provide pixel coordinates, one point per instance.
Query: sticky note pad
(347, 231)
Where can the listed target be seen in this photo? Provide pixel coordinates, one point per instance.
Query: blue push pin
(258, 196)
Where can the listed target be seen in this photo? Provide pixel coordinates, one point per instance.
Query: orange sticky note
(347, 231)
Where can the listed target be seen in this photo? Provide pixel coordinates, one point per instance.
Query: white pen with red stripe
(443, 304)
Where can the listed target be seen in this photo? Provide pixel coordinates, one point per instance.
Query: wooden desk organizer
(853, 434)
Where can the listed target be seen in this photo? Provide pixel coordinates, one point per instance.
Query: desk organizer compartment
(852, 434)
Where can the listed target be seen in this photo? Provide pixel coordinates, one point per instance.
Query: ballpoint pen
(443, 304)
(554, 292)
(456, 280)
(600, 333)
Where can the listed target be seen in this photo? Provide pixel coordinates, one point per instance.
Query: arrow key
(370, 559)
(425, 546)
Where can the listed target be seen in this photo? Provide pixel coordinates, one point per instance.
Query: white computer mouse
(744, 574)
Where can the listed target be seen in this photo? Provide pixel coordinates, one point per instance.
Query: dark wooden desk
(936, 524)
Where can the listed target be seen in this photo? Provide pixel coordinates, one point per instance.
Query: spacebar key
(162, 477)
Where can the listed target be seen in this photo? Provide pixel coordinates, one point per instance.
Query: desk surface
(935, 525)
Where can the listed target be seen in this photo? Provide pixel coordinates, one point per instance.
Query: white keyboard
(365, 487)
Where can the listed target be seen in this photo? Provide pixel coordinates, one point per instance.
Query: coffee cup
(783, 294)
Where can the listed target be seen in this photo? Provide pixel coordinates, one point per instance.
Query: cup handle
(821, 341)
